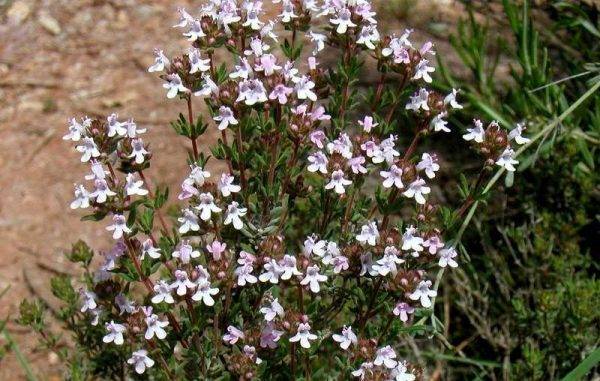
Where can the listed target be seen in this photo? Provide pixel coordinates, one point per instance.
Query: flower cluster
(324, 216)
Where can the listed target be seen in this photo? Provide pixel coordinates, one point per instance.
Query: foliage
(531, 288)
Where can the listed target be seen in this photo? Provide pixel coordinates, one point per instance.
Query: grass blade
(584, 367)
(20, 358)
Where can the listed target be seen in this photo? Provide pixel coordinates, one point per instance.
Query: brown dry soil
(63, 58)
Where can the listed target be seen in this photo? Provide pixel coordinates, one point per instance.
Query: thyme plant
(315, 248)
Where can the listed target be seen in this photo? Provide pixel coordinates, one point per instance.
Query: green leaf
(584, 367)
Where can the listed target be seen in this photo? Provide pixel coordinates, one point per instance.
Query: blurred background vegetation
(524, 305)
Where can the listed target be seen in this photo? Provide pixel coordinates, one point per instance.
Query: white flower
(119, 226)
(125, 305)
(366, 264)
(272, 310)
(246, 258)
(356, 165)
(162, 293)
(318, 162)
(317, 137)
(287, 13)
(287, 267)
(401, 373)
(346, 339)
(198, 175)
(289, 71)
(368, 233)
(184, 18)
(269, 336)
(115, 333)
(195, 31)
(439, 124)
(96, 316)
(88, 148)
(341, 145)
(207, 206)
(98, 171)
(267, 65)
(189, 221)
(368, 36)
(257, 47)
(393, 177)
(250, 352)
(422, 70)
(303, 87)
(234, 212)
(242, 70)
(339, 263)
(252, 19)
(155, 327)
(149, 249)
(114, 126)
(225, 118)
(318, 39)
(133, 187)
(417, 189)
(251, 92)
(366, 368)
(272, 272)
(331, 252)
(226, 185)
(281, 93)
(476, 133)
(101, 191)
(410, 241)
(451, 100)
(233, 335)
(516, 134)
(419, 101)
(208, 87)
(387, 151)
(137, 150)
(174, 85)
(388, 263)
(205, 293)
(197, 63)
(313, 278)
(303, 335)
(343, 21)
(185, 252)
(338, 182)
(76, 130)
(182, 283)
(244, 275)
(507, 160)
(385, 356)
(368, 124)
(428, 164)
(216, 248)
(433, 243)
(132, 130)
(423, 293)
(82, 198)
(140, 361)
(447, 257)
(160, 61)
(89, 301)
(403, 309)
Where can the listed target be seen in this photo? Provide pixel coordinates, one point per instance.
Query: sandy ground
(66, 58)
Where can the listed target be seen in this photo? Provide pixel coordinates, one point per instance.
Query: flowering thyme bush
(317, 246)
